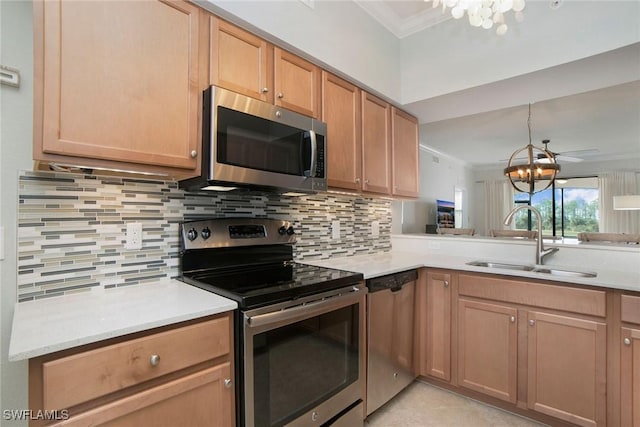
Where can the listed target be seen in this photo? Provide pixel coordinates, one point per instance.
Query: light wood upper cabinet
(566, 370)
(240, 61)
(296, 83)
(487, 348)
(435, 319)
(244, 63)
(341, 112)
(405, 179)
(376, 144)
(118, 84)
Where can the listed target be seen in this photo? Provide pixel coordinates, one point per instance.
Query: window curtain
(498, 203)
(617, 184)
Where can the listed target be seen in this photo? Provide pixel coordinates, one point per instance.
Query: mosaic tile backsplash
(71, 228)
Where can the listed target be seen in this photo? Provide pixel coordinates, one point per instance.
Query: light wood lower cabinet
(178, 375)
(488, 348)
(566, 372)
(630, 377)
(435, 315)
(542, 349)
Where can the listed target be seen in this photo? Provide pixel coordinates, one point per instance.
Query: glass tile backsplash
(71, 228)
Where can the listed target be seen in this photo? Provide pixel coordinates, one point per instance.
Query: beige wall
(16, 123)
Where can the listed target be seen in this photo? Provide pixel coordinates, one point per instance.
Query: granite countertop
(58, 323)
(395, 261)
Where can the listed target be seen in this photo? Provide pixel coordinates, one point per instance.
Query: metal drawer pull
(532, 322)
(194, 154)
(265, 89)
(513, 319)
(280, 95)
(446, 283)
(228, 383)
(154, 360)
(627, 341)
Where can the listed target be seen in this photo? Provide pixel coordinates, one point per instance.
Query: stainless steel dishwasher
(390, 321)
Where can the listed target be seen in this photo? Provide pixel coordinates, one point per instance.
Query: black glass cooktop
(256, 286)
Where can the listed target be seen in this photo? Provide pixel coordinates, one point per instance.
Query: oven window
(298, 366)
(255, 143)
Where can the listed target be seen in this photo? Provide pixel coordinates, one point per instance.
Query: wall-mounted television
(445, 211)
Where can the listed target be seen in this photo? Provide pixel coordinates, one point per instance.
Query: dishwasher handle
(393, 282)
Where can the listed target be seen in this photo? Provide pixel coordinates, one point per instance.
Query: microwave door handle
(314, 154)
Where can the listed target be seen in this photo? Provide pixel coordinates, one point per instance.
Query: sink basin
(558, 272)
(533, 269)
(502, 265)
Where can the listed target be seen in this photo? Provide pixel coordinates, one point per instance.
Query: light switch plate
(335, 230)
(375, 228)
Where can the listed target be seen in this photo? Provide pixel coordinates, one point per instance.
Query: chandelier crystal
(484, 13)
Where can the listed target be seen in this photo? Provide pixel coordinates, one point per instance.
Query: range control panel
(227, 232)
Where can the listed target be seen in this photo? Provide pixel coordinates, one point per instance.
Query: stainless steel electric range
(299, 330)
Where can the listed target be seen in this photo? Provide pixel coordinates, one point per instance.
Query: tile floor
(423, 405)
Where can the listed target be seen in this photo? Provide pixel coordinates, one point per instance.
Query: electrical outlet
(375, 228)
(335, 230)
(134, 235)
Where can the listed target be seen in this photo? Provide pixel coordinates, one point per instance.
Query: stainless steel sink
(558, 272)
(533, 269)
(502, 265)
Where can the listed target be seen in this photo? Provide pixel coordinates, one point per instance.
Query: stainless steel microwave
(250, 144)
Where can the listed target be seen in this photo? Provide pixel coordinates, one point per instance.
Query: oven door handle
(304, 310)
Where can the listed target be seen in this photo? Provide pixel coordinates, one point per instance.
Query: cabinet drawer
(81, 377)
(631, 309)
(584, 301)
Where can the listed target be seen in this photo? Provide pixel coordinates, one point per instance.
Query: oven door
(304, 363)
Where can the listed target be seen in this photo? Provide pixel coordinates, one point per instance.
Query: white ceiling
(587, 104)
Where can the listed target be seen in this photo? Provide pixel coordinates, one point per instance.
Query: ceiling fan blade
(570, 159)
(580, 153)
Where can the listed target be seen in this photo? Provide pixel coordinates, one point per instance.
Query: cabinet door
(118, 81)
(567, 368)
(341, 113)
(200, 399)
(376, 144)
(630, 377)
(405, 156)
(487, 348)
(437, 352)
(297, 83)
(240, 61)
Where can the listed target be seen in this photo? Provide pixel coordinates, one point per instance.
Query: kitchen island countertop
(380, 264)
(52, 324)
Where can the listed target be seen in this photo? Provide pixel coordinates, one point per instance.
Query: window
(569, 207)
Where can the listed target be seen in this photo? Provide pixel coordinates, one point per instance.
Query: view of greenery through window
(576, 208)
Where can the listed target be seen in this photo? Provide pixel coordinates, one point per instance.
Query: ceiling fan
(567, 156)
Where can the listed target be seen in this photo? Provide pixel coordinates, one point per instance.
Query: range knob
(282, 230)
(205, 233)
(192, 234)
(290, 231)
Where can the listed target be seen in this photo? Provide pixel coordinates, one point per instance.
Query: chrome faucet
(540, 251)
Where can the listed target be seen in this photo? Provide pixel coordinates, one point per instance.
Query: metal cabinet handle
(278, 114)
(265, 89)
(314, 416)
(357, 180)
(366, 181)
(228, 383)
(532, 322)
(194, 154)
(446, 283)
(513, 319)
(627, 341)
(154, 360)
(280, 95)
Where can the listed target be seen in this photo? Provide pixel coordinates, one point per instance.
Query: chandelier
(484, 13)
(535, 173)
